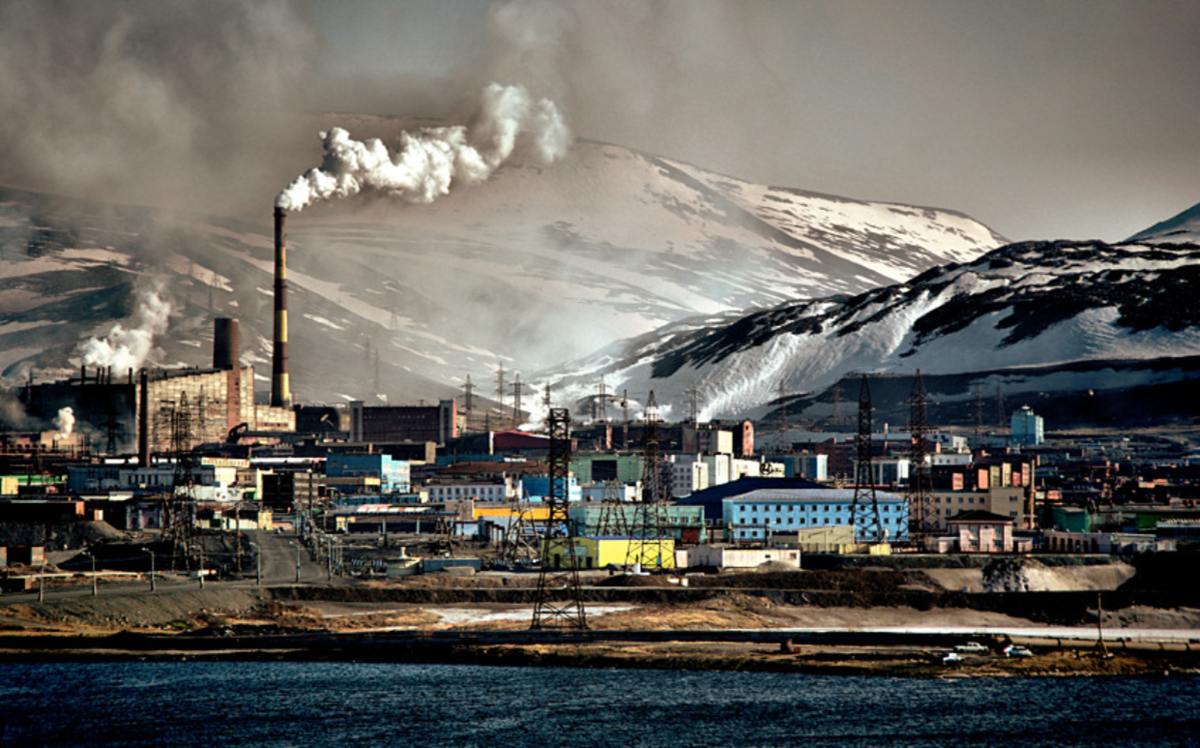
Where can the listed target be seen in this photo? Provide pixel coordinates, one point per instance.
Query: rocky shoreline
(857, 654)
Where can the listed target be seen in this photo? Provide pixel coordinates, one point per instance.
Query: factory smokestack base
(280, 394)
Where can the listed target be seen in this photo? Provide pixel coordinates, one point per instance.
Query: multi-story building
(504, 488)
(394, 475)
(402, 423)
(755, 516)
(1027, 428)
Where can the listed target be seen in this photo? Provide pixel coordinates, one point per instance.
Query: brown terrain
(831, 621)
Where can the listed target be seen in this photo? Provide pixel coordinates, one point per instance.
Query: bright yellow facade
(597, 553)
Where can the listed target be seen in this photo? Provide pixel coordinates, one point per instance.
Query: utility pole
(152, 575)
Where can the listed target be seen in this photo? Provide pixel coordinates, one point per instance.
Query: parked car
(1015, 650)
(971, 648)
(951, 658)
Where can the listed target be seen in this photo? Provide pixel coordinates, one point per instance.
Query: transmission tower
(864, 475)
(612, 522)
(559, 602)
(445, 530)
(922, 513)
(600, 404)
(521, 537)
(625, 418)
(180, 506)
(646, 535)
(517, 398)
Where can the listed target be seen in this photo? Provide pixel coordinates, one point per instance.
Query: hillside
(1033, 317)
(534, 267)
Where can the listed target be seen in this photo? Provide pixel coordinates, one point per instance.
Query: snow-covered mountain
(1179, 229)
(1027, 318)
(537, 266)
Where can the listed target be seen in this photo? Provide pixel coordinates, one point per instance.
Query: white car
(951, 658)
(1014, 650)
(971, 648)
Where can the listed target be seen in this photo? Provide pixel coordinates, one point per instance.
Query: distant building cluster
(140, 444)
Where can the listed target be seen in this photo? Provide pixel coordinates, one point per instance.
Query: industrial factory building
(404, 423)
(137, 413)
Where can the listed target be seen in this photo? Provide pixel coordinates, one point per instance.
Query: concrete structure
(705, 438)
(756, 516)
(724, 557)
(597, 468)
(500, 489)
(981, 532)
(1027, 428)
(599, 552)
(1009, 502)
(810, 466)
(837, 539)
(403, 423)
(1113, 543)
(683, 523)
(394, 475)
(537, 488)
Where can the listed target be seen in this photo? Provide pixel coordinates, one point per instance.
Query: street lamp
(92, 555)
(257, 563)
(297, 547)
(42, 583)
(152, 580)
(200, 570)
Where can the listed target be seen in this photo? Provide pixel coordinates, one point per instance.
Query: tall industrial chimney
(280, 395)
(225, 343)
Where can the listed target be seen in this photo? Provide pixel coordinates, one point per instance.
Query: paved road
(279, 556)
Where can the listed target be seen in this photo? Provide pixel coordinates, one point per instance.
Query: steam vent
(280, 394)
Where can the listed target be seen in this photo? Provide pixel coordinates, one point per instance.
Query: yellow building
(599, 552)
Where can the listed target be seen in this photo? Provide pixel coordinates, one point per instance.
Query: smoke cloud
(159, 103)
(423, 165)
(128, 347)
(64, 422)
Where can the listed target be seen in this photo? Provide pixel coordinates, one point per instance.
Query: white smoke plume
(64, 422)
(127, 348)
(424, 164)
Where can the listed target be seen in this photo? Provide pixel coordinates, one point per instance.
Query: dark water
(169, 705)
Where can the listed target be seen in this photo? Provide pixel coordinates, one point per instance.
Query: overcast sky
(1048, 119)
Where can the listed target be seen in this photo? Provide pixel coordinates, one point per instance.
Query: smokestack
(225, 344)
(143, 401)
(280, 395)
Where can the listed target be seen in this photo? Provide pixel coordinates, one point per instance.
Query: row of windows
(893, 508)
(802, 520)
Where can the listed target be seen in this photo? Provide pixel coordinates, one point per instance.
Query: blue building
(537, 488)
(1028, 430)
(394, 476)
(757, 515)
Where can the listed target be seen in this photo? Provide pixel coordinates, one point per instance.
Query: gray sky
(1065, 119)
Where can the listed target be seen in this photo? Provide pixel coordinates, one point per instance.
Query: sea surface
(182, 704)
